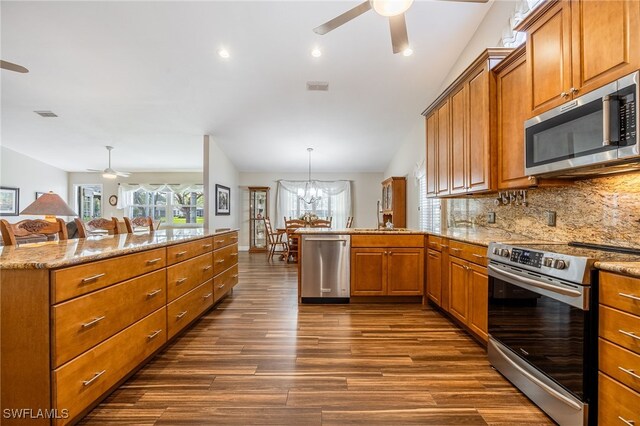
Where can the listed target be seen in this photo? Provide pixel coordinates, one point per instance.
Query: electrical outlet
(551, 218)
(491, 217)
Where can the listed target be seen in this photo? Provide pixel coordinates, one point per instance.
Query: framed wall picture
(223, 200)
(38, 194)
(9, 201)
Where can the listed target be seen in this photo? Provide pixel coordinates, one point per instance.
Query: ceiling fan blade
(399, 37)
(95, 170)
(13, 67)
(343, 19)
(123, 174)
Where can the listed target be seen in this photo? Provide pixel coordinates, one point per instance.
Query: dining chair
(349, 222)
(322, 223)
(13, 233)
(139, 222)
(275, 239)
(85, 228)
(292, 238)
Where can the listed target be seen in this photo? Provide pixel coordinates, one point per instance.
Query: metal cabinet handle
(152, 261)
(206, 268)
(234, 238)
(154, 292)
(479, 256)
(455, 250)
(632, 373)
(573, 90)
(221, 286)
(207, 296)
(181, 280)
(154, 334)
(181, 253)
(93, 322)
(234, 276)
(181, 314)
(233, 254)
(627, 422)
(630, 334)
(564, 94)
(207, 245)
(444, 246)
(629, 296)
(220, 261)
(93, 278)
(94, 378)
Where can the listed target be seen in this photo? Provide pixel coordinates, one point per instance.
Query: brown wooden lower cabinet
(434, 276)
(368, 272)
(458, 289)
(387, 271)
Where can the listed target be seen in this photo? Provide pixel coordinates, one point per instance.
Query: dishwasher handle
(342, 240)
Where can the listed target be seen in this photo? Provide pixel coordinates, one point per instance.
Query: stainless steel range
(543, 323)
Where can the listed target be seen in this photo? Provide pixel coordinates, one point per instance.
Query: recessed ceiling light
(316, 53)
(407, 52)
(224, 53)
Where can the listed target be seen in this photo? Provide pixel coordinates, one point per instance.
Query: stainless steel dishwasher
(325, 264)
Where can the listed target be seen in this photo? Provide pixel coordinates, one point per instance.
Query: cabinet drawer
(224, 240)
(182, 311)
(619, 363)
(184, 251)
(225, 258)
(387, 241)
(471, 252)
(224, 282)
(82, 279)
(80, 382)
(621, 328)
(435, 243)
(187, 275)
(83, 322)
(620, 292)
(617, 403)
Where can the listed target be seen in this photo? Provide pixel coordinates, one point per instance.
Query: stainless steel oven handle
(535, 283)
(342, 240)
(554, 393)
(606, 123)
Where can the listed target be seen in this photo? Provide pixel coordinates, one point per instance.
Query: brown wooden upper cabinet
(575, 46)
(461, 131)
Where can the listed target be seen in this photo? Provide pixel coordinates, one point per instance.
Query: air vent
(321, 86)
(45, 113)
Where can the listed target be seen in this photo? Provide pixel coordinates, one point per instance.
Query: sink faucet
(378, 215)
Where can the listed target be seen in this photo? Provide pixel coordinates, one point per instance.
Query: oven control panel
(527, 257)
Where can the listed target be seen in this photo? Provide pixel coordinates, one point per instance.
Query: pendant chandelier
(311, 193)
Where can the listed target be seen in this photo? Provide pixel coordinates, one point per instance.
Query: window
(335, 202)
(430, 209)
(88, 200)
(173, 205)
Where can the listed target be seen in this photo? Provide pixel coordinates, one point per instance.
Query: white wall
(366, 190)
(110, 186)
(412, 149)
(218, 169)
(30, 176)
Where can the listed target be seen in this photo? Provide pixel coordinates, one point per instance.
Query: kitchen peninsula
(80, 316)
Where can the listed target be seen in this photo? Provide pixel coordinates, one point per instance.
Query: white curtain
(126, 190)
(335, 201)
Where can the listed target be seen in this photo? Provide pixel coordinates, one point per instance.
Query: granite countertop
(359, 231)
(625, 268)
(55, 254)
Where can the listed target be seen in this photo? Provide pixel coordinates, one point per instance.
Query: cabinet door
(434, 276)
(458, 289)
(431, 161)
(459, 141)
(549, 58)
(443, 149)
(478, 300)
(368, 272)
(513, 110)
(606, 41)
(479, 152)
(405, 272)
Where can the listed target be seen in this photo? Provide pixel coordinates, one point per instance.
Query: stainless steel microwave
(593, 134)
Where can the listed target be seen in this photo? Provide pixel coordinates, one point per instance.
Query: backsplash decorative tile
(604, 210)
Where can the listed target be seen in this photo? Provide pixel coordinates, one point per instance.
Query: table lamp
(50, 205)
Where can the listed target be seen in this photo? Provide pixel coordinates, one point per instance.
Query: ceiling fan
(109, 173)
(392, 9)
(10, 66)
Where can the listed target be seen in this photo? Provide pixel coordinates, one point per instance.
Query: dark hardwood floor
(260, 359)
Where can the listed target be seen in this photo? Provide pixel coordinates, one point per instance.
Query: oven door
(543, 322)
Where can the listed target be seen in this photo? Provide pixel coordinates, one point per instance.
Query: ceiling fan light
(407, 52)
(390, 7)
(108, 175)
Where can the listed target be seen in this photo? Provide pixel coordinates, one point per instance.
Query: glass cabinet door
(258, 211)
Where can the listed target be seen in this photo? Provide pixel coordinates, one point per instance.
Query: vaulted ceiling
(146, 78)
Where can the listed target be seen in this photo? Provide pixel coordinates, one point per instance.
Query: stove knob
(559, 264)
(505, 253)
(496, 250)
(548, 262)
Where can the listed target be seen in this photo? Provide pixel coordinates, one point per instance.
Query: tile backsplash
(603, 210)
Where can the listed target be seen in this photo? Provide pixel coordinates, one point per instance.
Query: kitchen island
(80, 316)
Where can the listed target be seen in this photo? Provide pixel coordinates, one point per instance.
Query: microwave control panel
(527, 257)
(628, 115)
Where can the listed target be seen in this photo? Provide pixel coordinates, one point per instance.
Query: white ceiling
(145, 77)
